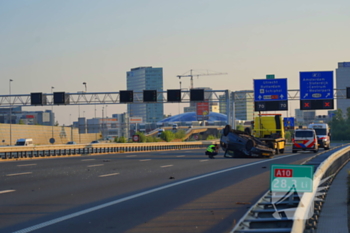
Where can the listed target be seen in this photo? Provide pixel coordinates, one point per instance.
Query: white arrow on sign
(306, 95)
(328, 94)
(281, 96)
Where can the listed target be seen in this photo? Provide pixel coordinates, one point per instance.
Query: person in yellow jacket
(212, 150)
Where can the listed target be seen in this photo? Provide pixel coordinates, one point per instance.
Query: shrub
(180, 134)
(211, 137)
(122, 140)
(167, 136)
(142, 137)
(116, 139)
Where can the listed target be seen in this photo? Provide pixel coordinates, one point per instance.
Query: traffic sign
(284, 178)
(270, 89)
(316, 85)
(135, 138)
(270, 76)
(288, 122)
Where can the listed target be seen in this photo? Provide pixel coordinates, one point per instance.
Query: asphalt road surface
(168, 191)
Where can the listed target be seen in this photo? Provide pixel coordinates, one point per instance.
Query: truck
(24, 142)
(323, 135)
(269, 129)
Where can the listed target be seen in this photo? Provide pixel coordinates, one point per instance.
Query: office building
(146, 78)
(18, 116)
(343, 81)
(244, 105)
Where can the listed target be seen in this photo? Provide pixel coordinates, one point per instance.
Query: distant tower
(145, 78)
(343, 81)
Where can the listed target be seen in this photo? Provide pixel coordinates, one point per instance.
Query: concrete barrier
(17, 152)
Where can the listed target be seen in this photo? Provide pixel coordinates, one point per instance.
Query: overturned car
(238, 144)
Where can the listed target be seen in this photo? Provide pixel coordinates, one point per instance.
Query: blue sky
(65, 43)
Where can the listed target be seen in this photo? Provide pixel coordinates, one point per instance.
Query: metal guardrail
(262, 218)
(17, 152)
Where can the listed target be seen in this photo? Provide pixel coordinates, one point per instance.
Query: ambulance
(323, 135)
(305, 139)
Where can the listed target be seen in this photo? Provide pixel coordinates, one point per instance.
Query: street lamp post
(84, 83)
(10, 112)
(52, 110)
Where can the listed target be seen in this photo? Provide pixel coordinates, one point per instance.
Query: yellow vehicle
(269, 129)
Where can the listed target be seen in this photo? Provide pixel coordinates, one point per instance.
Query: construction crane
(207, 73)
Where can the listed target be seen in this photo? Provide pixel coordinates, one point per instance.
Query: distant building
(343, 81)
(244, 105)
(146, 78)
(305, 116)
(18, 116)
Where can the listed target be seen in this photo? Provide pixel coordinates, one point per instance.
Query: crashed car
(237, 143)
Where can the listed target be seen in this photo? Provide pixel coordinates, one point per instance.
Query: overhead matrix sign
(270, 94)
(316, 90)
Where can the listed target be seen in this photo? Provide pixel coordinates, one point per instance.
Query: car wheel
(315, 151)
(277, 151)
(249, 145)
(227, 129)
(248, 131)
(294, 151)
(281, 151)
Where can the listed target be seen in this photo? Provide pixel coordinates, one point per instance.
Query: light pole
(52, 110)
(84, 83)
(10, 112)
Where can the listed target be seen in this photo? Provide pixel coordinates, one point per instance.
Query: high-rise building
(244, 105)
(146, 78)
(343, 81)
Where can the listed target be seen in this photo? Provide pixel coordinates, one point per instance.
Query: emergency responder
(212, 150)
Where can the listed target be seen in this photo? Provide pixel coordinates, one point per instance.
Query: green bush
(122, 140)
(151, 139)
(167, 136)
(211, 137)
(142, 137)
(116, 139)
(180, 134)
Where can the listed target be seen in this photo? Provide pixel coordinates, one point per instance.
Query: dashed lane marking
(19, 174)
(25, 165)
(179, 156)
(143, 160)
(87, 160)
(167, 166)
(95, 165)
(7, 191)
(112, 174)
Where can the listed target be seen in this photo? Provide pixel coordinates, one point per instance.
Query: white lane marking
(87, 159)
(7, 191)
(167, 166)
(95, 165)
(203, 160)
(143, 160)
(112, 174)
(180, 156)
(25, 165)
(19, 174)
(89, 210)
(128, 156)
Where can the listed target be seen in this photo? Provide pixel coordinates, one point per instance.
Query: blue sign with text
(270, 89)
(316, 85)
(288, 122)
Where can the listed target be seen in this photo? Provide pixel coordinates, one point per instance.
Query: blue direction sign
(288, 121)
(316, 85)
(270, 89)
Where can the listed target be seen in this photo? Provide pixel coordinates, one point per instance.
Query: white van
(24, 142)
(323, 135)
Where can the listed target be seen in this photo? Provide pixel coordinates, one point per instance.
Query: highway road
(168, 191)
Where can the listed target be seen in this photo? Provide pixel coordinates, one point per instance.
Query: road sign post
(270, 94)
(285, 178)
(316, 90)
